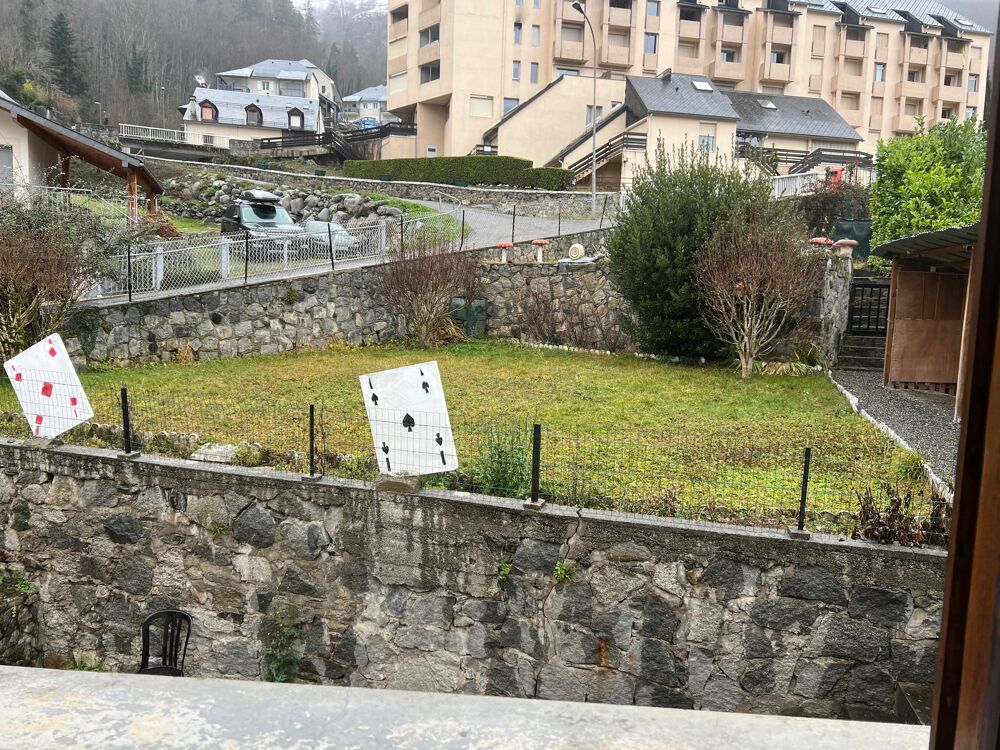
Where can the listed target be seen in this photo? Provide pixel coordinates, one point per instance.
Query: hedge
(476, 170)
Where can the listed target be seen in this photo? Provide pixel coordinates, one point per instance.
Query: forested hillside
(139, 58)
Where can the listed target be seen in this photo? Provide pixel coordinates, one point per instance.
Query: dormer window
(254, 116)
(209, 112)
(295, 119)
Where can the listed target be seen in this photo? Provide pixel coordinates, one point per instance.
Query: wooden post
(133, 194)
(893, 285)
(963, 355)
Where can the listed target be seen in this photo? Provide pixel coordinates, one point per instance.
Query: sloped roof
(613, 115)
(290, 70)
(792, 115)
(491, 132)
(370, 94)
(676, 94)
(944, 245)
(232, 105)
(3, 95)
(81, 146)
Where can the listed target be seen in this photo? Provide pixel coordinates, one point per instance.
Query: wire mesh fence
(865, 491)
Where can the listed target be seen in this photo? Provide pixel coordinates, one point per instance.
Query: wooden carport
(68, 143)
(927, 330)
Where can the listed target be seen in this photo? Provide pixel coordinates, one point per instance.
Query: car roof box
(259, 196)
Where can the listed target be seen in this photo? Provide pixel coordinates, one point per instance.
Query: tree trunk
(746, 365)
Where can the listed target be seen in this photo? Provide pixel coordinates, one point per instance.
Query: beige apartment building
(457, 67)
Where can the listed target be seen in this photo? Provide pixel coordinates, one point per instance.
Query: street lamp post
(163, 116)
(578, 6)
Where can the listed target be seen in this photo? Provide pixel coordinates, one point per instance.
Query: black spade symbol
(439, 440)
(426, 386)
(385, 449)
(408, 423)
(375, 399)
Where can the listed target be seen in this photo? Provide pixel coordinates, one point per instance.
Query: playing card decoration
(48, 389)
(409, 420)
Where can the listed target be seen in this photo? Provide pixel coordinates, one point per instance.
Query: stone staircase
(861, 352)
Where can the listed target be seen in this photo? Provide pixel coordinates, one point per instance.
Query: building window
(208, 112)
(706, 136)
(819, 40)
(572, 32)
(915, 75)
(946, 113)
(537, 4)
(973, 83)
(731, 19)
(430, 35)
(397, 83)
(880, 72)
(397, 47)
(650, 44)
(690, 14)
(653, 7)
(518, 3)
(970, 113)
(850, 101)
(430, 72)
(618, 39)
(729, 55)
(621, 4)
(516, 74)
(480, 106)
(590, 113)
(854, 34)
(778, 56)
(687, 50)
(956, 47)
(295, 120)
(918, 42)
(875, 119)
(881, 41)
(852, 67)
(534, 72)
(913, 107)
(264, 85)
(254, 116)
(567, 72)
(509, 104)
(517, 33)
(952, 78)
(772, 90)
(536, 36)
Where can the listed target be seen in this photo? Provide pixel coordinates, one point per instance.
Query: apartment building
(456, 67)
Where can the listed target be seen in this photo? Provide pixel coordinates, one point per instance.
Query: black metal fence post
(603, 211)
(126, 420)
(312, 440)
(329, 235)
(246, 258)
(461, 242)
(805, 489)
(536, 462)
(513, 223)
(128, 271)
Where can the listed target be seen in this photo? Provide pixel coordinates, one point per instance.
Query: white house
(371, 104)
(269, 99)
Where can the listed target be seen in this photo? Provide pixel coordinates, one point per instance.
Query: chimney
(192, 109)
(665, 75)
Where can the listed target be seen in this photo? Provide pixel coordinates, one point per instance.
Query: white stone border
(605, 352)
(938, 485)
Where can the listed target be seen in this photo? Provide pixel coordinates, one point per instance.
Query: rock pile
(208, 198)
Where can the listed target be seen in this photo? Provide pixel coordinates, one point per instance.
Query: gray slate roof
(677, 95)
(232, 108)
(370, 94)
(793, 115)
(926, 12)
(290, 70)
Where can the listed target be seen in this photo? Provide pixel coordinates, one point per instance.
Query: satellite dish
(200, 80)
(576, 251)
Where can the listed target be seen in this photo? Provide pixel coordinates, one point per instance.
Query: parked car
(261, 215)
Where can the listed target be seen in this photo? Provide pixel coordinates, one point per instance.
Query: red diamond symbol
(18, 377)
(52, 351)
(47, 390)
(72, 400)
(38, 419)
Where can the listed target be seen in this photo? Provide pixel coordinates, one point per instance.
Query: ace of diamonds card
(48, 388)
(409, 420)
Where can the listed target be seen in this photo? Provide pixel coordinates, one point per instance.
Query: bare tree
(50, 254)
(756, 277)
(420, 283)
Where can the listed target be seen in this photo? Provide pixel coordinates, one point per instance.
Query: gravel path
(922, 418)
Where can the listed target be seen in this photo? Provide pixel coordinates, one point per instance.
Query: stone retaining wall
(311, 311)
(19, 645)
(458, 593)
(545, 203)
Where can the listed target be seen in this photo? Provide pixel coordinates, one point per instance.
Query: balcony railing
(484, 149)
(626, 141)
(165, 135)
(728, 71)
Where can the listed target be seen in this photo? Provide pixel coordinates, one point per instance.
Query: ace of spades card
(48, 388)
(409, 420)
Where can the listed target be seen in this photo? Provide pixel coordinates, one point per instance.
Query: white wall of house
(34, 161)
(195, 130)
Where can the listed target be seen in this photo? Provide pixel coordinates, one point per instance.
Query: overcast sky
(980, 11)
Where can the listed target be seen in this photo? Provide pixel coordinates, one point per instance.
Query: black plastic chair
(176, 626)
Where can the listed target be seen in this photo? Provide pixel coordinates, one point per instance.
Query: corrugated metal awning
(942, 245)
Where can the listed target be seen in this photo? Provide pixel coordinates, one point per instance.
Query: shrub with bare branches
(756, 277)
(420, 282)
(51, 253)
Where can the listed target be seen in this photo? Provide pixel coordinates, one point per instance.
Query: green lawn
(618, 432)
(186, 225)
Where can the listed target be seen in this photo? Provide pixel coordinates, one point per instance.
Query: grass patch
(618, 432)
(187, 225)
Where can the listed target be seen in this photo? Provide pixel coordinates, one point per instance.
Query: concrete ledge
(56, 709)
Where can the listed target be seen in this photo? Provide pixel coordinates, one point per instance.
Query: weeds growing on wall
(281, 663)
(889, 515)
